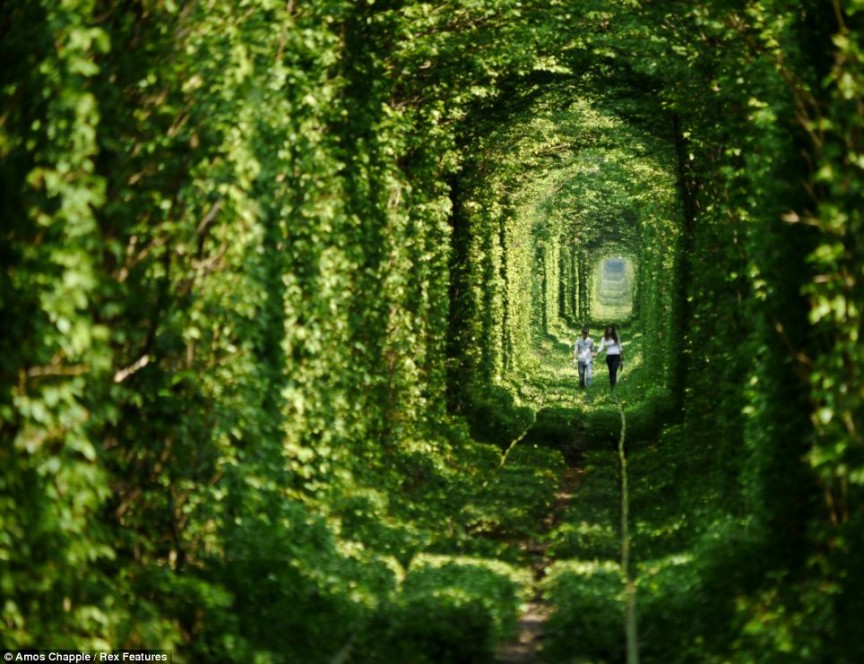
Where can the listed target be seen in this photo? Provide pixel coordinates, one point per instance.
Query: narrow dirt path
(527, 647)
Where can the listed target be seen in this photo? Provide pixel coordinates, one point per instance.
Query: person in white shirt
(582, 356)
(614, 353)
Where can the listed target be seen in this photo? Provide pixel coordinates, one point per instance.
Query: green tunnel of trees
(280, 280)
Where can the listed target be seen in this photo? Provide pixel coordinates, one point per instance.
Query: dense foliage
(288, 292)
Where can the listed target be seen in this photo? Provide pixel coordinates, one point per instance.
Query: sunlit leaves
(238, 240)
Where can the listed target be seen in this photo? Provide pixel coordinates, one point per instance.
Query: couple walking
(584, 353)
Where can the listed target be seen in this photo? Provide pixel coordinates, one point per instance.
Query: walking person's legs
(582, 372)
(613, 361)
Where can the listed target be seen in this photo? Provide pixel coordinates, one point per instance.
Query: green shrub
(297, 595)
(513, 502)
(588, 621)
(450, 611)
(555, 427)
(494, 417)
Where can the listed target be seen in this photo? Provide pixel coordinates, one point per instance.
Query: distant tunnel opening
(613, 289)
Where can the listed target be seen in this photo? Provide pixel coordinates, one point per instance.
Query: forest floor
(526, 648)
(582, 525)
